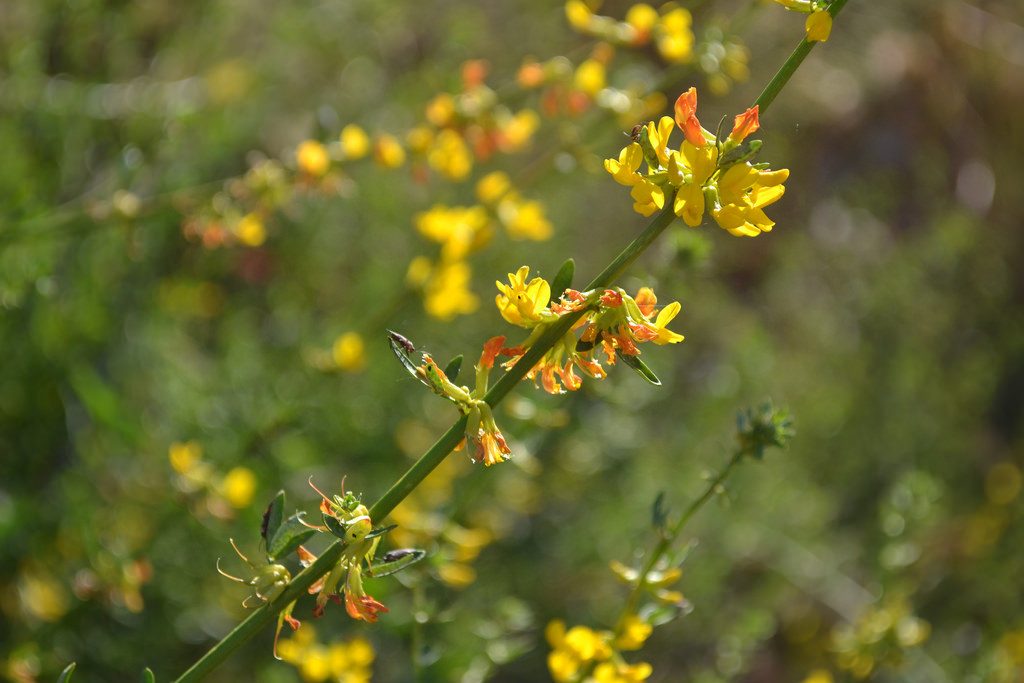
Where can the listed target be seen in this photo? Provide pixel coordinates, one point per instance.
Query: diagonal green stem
(783, 75)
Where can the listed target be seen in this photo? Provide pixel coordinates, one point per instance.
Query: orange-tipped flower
(363, 607)
(686, 118)
(746, 123)
(490, 448)
(492, 347)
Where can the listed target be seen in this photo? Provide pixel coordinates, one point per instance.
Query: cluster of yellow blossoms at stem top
(705, 174)
(611, 324)
(580, 650)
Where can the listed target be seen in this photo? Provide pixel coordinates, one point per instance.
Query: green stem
(783, 75)
(667, 539)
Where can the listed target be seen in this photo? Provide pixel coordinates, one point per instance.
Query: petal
(646, 300)
(763, 196)
(667, 314)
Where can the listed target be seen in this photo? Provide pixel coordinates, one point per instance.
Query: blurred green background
(884, 311)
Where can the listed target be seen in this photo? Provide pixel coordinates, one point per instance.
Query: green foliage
(882, 310)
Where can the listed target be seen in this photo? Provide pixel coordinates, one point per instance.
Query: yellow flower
(698, 164)
(493, 187)
(524, 219)
(518, 130)
(624, 171)
(315, 666)
(312, 158)
(647, 197)
(635, 632)
(447, 293)
(642, 18)
(388, 151)
(419, 139)
(818, 676)
(355, 143)
(185, 456)
(675, 39)
(360, 652)
(450, 156)
(743, 192)
(818, 26)
(239, 486)
(611, 672)
(250, 231)
(658, 135)
(441, 110)
(348, 352)
(574, 648)
(41, 595)
(590, 77)
(456, 574)
(459, 229)
(578, 14)
(523, 303)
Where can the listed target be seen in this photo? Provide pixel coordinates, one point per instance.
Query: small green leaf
(563, 278)
(65, 675)
(745, 151)
(290, 535)
(380, 531)
(395, 561)
(452, 369)
(272, 517)
(659, 512)
(334, 525)
(403, 350)
(640, 367)
(148, 676)
(662, 614)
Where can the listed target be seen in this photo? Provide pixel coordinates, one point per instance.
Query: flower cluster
(879, 637)
(613, 324)
(222, 494)
(341, 662)
(463, 230)
(347, 518)
(580, 651)
(488, 443)
(669, 29)
(267, 581)
(609, 324)
(706, 173)
(818, 26)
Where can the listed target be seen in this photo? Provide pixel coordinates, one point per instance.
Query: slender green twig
(669, 538)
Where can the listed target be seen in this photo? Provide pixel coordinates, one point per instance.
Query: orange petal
(686, 118)
(746, 123)
(492, 347)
